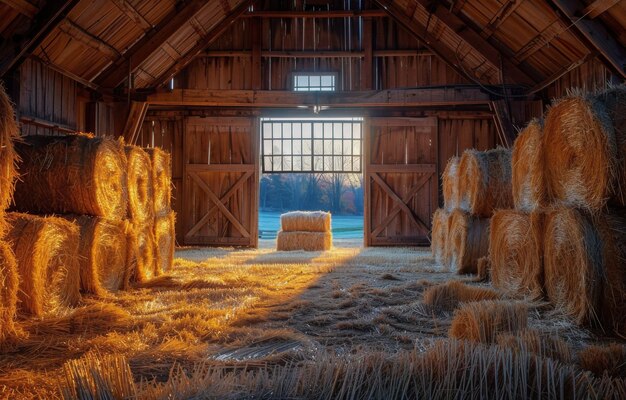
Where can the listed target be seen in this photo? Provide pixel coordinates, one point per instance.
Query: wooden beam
(256, 39)
(317, 54)
(503, 13)
(78, 33)
(436, 97)
(316, 14)
(598, 7)
(204, 42)
(132, 13)
(28, 120)
(549, 80)
(596, 34)
(134, 121)
(148, 44)
(14, 51)
(67, 74)
(503, 122)
(493, 55)
(22, 6)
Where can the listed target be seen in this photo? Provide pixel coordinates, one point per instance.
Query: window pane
(306, 147)
(302, 81)
(328, 131)
(347, 131)
(347, 147)
(276, 131)
(306, 130)
(356, 163)
(297, 163)
(287, 163)
(356, 147)
(297, 147)
(318, 130)
(306, 164)
(318, 163)
(337, 147)
(287, 147)
(267, 147)
(356, 130)
(315, 81)
(328, 147)
(328, 163)
(286, 131)
(277, 163)
(337, 131)
(327, 80)
(318, 147)
(267, 131)
(278, 147)
(268, 163)
(338, 163)
(297, 130)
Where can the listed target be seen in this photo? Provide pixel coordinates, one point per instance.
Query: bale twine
(441, 226)
(103, 253)
(485, 181)
(573, 264)
(46, 250)
(8, 291)
(72, 174)
(516, 252)
(140, 187)
(482, 321)
(468, 241)
(142, 258)
(527, 168)
(161, 180)
(165, 238)
(308, 241)
(8, 157)
(305, 221)
(582, 151)
(450, 184)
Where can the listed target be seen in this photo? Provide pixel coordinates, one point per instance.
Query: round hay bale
(516, 252)
(484, 268)
(161, 180)
(72, 174)
(305, 221)
(527, 168)
(482, 321)
(468, 240)
(8, 291)
(142, 256)
(165, 238)
(485, 181)
(573, 264)
(140, 187)
(103, 253)
(441, 219)
(46, 250)
(307, 241)
(583, 155)
(448, 296)
(8, 157)
(450, 184)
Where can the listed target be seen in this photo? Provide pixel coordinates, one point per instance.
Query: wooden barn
(312, 199)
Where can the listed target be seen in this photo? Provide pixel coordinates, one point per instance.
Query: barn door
(401, 185)
(221, 182)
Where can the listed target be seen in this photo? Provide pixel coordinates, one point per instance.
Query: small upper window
(314, 82)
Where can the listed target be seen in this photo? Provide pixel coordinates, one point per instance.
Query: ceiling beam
(204, 42)
(598, 7)
(22, 6)
(493, 55)
(503, 13)
(14, 51)
(78, 33)
(316, 54)
(558, 74)
(595, 33)
(132, 13)
(316, 14)
(148, 44)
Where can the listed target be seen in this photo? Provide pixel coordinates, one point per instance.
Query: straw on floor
(482, 321)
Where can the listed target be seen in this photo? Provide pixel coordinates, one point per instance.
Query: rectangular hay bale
(308, 241)
(305, 221)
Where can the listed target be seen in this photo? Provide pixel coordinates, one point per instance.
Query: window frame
(309, 88)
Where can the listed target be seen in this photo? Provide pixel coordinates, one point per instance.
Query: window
(314, 82)
(311, 145)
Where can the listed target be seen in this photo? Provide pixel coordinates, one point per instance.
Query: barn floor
(252, 307)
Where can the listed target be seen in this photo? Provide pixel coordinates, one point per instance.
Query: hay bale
(482, 321)
(527, 179)
(140, 186)
(600, 360)
(532, 341)
(305, 221)
(9, 131)
(450, 184)
(161, 180)
(142, 254)
(103, 253)
(165, 239)
(468, 241)
(584, 159)
(441, 226)
(72, 174)
(308, 241)
(516, 252)
(484, 269)
(448, 296)
(573, 264)
(46, 250)
(8, 291)
(485, 181)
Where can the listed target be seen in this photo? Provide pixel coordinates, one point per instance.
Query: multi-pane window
(314, 82)
(316, 145)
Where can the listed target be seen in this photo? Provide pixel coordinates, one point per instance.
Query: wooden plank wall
(590, 76)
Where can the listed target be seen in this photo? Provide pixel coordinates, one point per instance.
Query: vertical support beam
(368, 59)
(367, 202)
(138, 110)
(256, 33)
(502, 119)
(255, 139)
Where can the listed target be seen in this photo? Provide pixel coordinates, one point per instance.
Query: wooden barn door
(401, 185)
(221, 182)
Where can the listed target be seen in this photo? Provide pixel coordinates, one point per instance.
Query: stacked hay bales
(473, 186)
(302, 230)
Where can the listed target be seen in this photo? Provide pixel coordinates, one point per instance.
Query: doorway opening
(311, 164)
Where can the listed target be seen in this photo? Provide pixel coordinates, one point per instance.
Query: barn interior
(490, 140)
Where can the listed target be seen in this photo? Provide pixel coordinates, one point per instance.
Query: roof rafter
(22, 6)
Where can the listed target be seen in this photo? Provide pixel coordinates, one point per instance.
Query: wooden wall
(590, 76)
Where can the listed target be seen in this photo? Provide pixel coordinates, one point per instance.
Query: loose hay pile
(468, 241)
(448, 296)
(482, 321)
(46, 250)
(304, 230)
(72, 174)
(532, 341)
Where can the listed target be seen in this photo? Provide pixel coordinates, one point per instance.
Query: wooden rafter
(12, 54)
(78, 33)
(503, 13)
(204, 42)
(597, 36)
(148, 44)
(598, 7)
(550, 79)
(22, 6)
(132, 13)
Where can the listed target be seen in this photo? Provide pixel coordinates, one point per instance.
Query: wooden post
(255, 32)
(366, 74)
